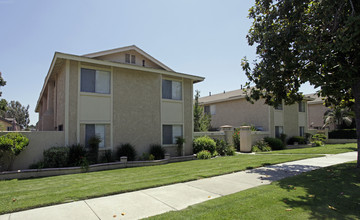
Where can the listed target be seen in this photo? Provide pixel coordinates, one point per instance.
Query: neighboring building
(9, 124)
(123, 95)
(231, 108)
(316, 113)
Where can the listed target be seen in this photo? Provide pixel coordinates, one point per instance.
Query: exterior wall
(120, 57)
(316, 115)
(73, 101)
(136, 109)
(239, 112)
(4, 125)
(60, 98)
(188, 116)
(291, 120)
(38, 142)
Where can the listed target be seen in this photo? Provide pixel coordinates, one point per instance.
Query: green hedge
(343, 134)
(298, 139)
(275, 143)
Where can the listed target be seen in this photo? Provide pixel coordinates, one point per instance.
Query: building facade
(122, 95)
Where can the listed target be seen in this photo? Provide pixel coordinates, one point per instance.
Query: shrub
(179, 143)
(275, 143)
(106, 157)
(343, 134)
(261, 146)
(157, 151)
(56, 157)
(283, 138)
(38, 165)
(204, 154)
(126, 150)
(76, 153)
(318, 143)
(300, 140)
(204, 143)
(93, 153)
(236, 138)
(319, 137)
(11, 145)
(224, 149)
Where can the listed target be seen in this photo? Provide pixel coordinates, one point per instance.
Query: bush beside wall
(343, 134)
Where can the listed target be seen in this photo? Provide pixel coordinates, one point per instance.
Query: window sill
(95, 94)
(172, 100)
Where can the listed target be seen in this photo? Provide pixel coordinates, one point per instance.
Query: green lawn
(327, 149)
(328, 193)
(24, 194)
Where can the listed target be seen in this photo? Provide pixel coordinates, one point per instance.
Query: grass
(328, 193)
(327, 149)
(18, 195)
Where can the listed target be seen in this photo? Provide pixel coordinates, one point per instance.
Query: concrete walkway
(149, 202)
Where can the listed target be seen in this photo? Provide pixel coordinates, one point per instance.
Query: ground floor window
(278, 131)
(302, 131)
(92, 130)
(171, 132)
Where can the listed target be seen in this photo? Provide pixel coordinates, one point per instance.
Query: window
(207, 109)
(92, 130)
(279, 107)
(171, 90)
(278, 131)
(302, 131)
(95, 81)
(301, 106)
(170, 132)
(130, 58)
(9, 129)
(60, 128)
(212, 109)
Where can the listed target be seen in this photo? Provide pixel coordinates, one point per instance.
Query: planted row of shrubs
(78, 155)
(205, 147)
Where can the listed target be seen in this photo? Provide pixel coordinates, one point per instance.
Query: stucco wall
(239, 112)
(188, 121)
(60, 97)
(136, 109)
(73, 101)
(38, 142)
(316, 115)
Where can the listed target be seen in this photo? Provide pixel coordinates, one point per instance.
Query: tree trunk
(356, 92)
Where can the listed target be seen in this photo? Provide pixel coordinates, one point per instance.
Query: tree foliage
(305, 41)
(11, 145)
(19, 112)
(201, 120)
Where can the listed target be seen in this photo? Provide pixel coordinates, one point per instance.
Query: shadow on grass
(330, 193)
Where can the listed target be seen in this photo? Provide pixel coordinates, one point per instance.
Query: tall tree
(201, 120)
(3, 102)
(306, 41)
(19, 112)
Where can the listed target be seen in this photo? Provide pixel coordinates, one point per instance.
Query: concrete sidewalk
(149, 202)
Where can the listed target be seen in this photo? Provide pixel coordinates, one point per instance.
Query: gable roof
(317, 99)
(127, 48)
(59, 57)
(231, 95)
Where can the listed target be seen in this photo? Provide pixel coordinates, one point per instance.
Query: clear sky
(202, 37)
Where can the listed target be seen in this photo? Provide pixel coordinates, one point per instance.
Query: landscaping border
(36, 173)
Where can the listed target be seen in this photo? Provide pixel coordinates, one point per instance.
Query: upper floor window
(130, 58)
(171, 89)
(301, 106)
(96, 81)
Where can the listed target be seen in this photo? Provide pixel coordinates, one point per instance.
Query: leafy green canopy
(305, 41)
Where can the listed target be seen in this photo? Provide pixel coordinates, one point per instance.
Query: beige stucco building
(316, 111)
(231, 108)
(123, 95)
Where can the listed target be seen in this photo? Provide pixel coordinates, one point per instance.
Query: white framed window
(278, 131)
(213, 109)
(130, 58)
(171, 132)
(92, 130)
(301, 106)
(95, 81)
(133, 59)
(127, 58)
(171, 89)
(302, 131)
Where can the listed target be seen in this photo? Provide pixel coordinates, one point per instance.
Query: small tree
(93, 153)
(180, 144)
(11, 145)
(201, 120)
(338, 116)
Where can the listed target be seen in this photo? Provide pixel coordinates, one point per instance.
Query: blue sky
(203, 37)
